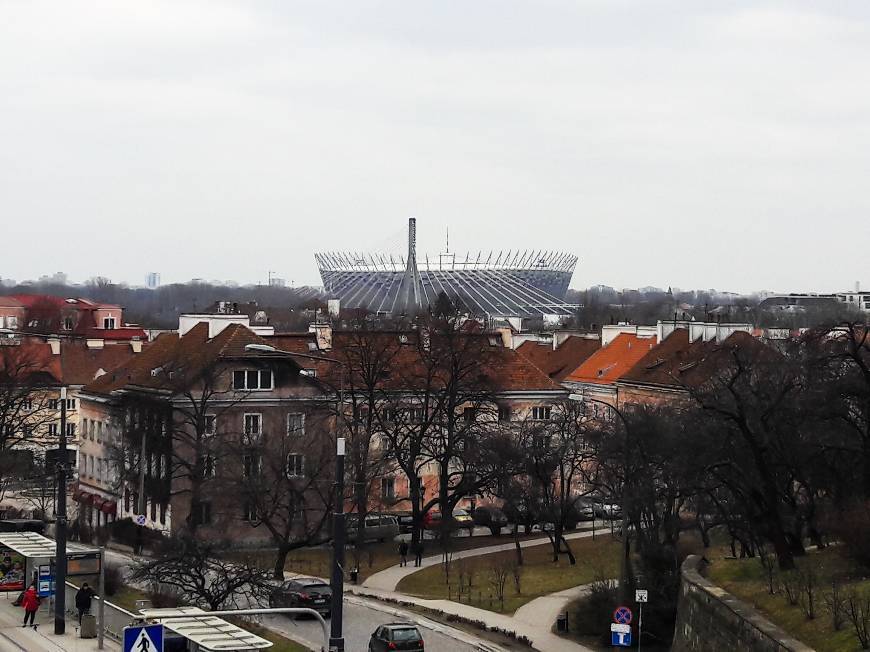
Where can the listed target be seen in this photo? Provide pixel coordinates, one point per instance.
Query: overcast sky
(684, 143)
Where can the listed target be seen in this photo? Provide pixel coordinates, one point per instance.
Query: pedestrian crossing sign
(143, 638)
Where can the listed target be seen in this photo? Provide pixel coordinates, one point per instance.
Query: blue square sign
(143, 638)
(620, 639)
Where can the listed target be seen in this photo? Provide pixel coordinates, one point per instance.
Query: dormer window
(252, 379)
(108, 323)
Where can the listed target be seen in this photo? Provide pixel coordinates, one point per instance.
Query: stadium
(528, 284)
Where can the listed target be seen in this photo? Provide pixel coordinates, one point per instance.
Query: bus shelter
(190, 629)
(27, 557)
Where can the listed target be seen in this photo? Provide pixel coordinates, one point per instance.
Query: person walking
(30, 602)
(418, 553)
(403, 553)
(83, 600)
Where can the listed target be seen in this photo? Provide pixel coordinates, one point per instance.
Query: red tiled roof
(558, 363)
(607, 364)
(76, 364)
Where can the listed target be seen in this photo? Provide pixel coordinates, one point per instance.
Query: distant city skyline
(722, 145)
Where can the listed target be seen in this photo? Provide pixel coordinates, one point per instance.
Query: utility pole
(141, 501)
(336, 639)
(60, 526)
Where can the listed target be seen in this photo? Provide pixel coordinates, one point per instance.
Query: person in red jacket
(30, 604)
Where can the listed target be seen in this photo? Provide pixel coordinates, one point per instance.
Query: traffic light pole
(60, 526)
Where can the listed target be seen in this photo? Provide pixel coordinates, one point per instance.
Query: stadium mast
(410, 297)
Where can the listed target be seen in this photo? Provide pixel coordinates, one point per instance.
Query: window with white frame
(388, 488)
(252, 379)
(53, 429)
(295, 465)
(70, 404)
(209, 469)
(253, 427)
(252, 464)
(249, 512)
(99, 431)
(541, 413)
(53, 404)
(91, 466)
(108, 323)
(504, 412)
(70, 430)
(295, 424)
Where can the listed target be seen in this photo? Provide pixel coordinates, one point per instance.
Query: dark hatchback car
(307, 592)
(396, 636)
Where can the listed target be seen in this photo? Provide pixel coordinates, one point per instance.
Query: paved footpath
(533, 620)
(15, 638)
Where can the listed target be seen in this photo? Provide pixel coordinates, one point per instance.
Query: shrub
(591, 615)
(835, 604)
(852, 528)
(114, 579)
(858, 612)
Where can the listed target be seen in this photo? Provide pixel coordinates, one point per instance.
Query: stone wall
(711, 619)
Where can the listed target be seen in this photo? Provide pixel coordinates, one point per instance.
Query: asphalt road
(359, 623)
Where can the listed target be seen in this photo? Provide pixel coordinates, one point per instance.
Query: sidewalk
(15, 638)
(533, 620)
(388, 579)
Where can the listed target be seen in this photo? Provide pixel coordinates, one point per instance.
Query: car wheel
(328, 614)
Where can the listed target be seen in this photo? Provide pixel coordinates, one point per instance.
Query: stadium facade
(526, 284)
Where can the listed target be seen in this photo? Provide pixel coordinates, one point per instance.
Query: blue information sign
(620, 639)
(143, 638)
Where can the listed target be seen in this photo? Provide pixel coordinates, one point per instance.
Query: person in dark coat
(418, 553)
(30, 602)
(403, 553)
(83, 600)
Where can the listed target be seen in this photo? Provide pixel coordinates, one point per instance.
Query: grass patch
(280, 643)
(374, 558)
(746, 579)
(539, 575)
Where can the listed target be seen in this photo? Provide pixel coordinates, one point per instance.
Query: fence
(116, 618)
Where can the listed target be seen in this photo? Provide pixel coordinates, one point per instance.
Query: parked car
(463, 520)
(492, 517)
(378, 527)
(308, 592)
(584, 509)
(406, 523)
(609, 511)
(396, 636)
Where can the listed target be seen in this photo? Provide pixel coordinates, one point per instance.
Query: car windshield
(409, 634)
(316, 585)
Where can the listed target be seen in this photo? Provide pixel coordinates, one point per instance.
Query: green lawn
(539, 575)
(746, 579)
(374, 558)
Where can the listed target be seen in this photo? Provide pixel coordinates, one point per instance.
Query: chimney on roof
(55, 346)
(136, 345)
(322, 335)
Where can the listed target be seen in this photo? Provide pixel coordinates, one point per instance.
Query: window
(99, 431)
(90, 431)
(308, 372)
(253, 427)
(249, 512)
(85, 428)
(68, 323)
(388, 488)
(504, 413)
(53, 429)
(541, 413)
(53, 404)
(468, 414)
(295, 465)
(108, 322)
(208, 467)
(12, 322)
(91, 466)
(251, 465)
(209, 425)
(200, 513)
(416, 415)
(295, 425)
(70, 430)
(252, 379)
(70, 404)
(540, 442)
(27, 405)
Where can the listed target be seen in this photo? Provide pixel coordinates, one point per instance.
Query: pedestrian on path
(30, 604)
(418, 553)
(83, 600)
(403, 553)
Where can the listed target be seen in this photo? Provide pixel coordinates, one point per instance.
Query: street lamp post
(336, 637)
(626, 547)
(60, 526)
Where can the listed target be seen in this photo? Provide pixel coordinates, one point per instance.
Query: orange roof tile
(558, 363)
(607, 364)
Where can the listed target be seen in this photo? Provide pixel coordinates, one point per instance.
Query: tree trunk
(517, 545)
(280, 562)
(568, 550)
